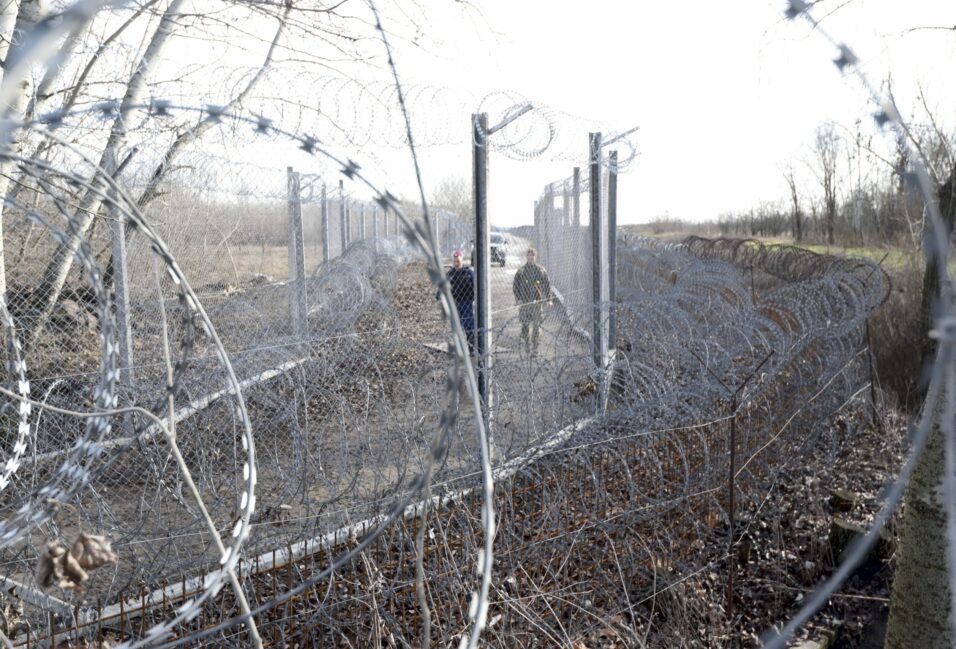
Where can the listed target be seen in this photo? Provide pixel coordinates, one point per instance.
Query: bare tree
(16, 20)
(57, 270)
(454, 194)
(105, 60)
(796, 214)
(54, 277)
(826, 150)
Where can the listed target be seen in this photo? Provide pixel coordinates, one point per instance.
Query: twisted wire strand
(17, 370)
(191, 608)
(105, 398)
(808, 312)
(937, 249)
(74, 472)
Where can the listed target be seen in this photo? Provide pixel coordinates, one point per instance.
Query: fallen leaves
(70, 569)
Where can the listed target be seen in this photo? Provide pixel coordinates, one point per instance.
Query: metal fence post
(297, 302)
(436, 215)
(120, 280)
(576, 197)
(565, 206)
(482, 267)
(579, 282)
(374, 221)
(548, 220)
(343, 219)
(325, 224)
(612, 249)
(362, 221)
(598, 262)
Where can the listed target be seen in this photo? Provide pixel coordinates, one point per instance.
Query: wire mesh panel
(221, 369)
(452, 232)
(336, 405)
(338, 409)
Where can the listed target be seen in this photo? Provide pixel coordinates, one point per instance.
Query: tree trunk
(831, 219)
(59, 267)
(947, 209)
(8, 18)
(16, 19)
(54, 277)
(919, 603)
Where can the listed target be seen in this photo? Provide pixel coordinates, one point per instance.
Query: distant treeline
(874, 217)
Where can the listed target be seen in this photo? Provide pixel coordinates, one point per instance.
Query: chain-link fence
(237, 369)
(268, 306)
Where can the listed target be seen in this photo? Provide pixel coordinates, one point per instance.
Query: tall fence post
(579, 283)
(482, 267)
(325, 224)
(598, 264)
(374, 221)
(362, 221)
(576, 197)
(120, 279)
(612, 249)
(548, 224)
(565, 206)
(343, 220)
(297, 302)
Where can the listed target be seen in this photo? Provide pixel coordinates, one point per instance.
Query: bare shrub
(896, 335)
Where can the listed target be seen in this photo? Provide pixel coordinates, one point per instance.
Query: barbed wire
(546, 132)
(17, 371)
(345, 279)
(332, 278)
(937, 249)
(74, 473)
(690, 323)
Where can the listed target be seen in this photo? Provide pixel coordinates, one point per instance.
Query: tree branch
(204, 125)
(69, 102)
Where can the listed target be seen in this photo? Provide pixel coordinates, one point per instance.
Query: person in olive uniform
(532, 290)
(462, 281)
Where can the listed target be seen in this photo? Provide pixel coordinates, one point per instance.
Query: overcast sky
(724, 93)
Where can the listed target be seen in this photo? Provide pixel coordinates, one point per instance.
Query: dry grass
(896, 336)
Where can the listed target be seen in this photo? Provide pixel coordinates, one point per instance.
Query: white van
(499, 249)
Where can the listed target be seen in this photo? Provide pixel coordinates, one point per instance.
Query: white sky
(723, 92)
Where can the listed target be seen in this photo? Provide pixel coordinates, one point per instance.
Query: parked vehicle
(498, 253)
(499, 248)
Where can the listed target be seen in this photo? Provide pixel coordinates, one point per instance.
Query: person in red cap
(462, 281)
